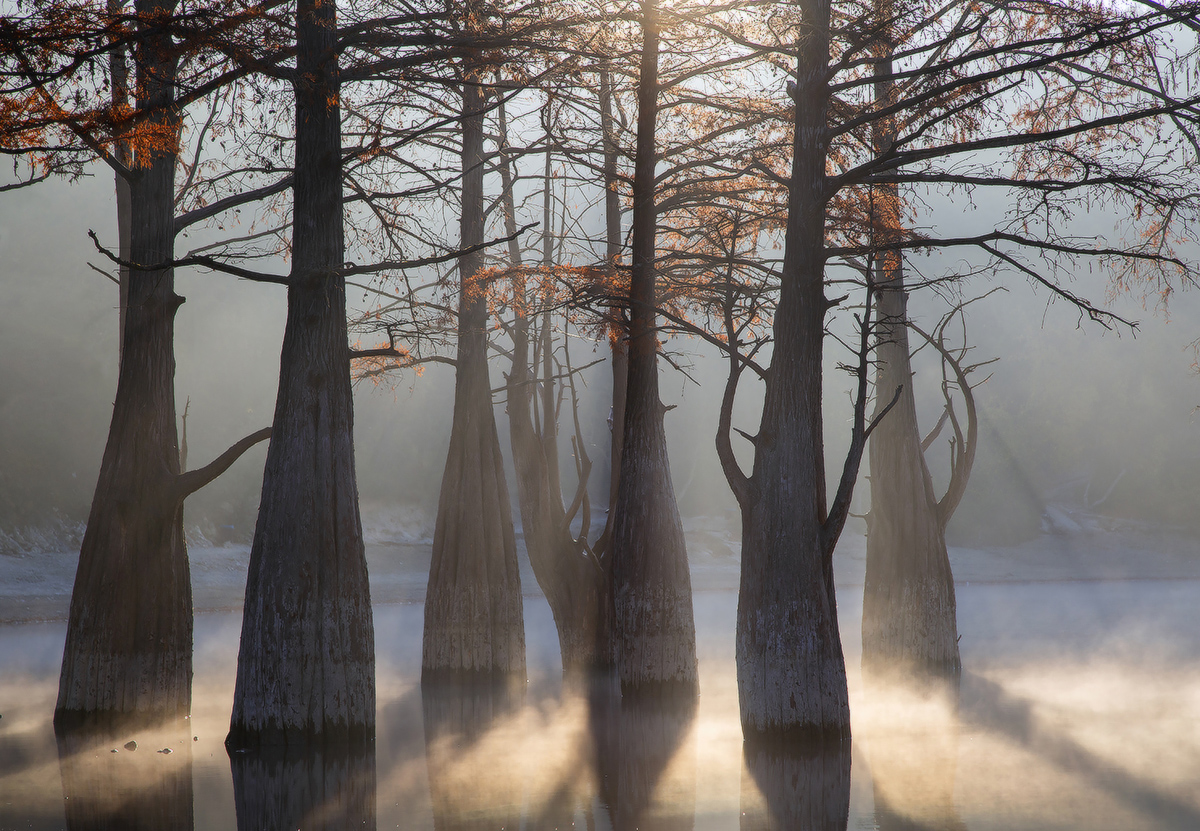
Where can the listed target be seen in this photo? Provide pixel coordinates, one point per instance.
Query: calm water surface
(1077, 710)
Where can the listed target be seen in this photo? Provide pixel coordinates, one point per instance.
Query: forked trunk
(129, 635)
(909, 617)
(791, 671)
(654, 631)
(306, 666)
(473, 607)
(573, 579)
(909, 613)
(575, 584)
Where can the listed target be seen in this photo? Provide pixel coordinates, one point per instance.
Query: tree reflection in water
(319, 788)
(910, 735)
(587, 760)
(470, 789)
(796, 786)
(645, 757)
(107, 785)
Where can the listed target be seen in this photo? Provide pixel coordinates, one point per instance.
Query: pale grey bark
(909, 610)
(791, 671)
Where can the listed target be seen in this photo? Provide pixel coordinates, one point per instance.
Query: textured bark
(473, 607)
(796, 788)
(574, 582)
(909, 611)
(791, 671)
(306, 666)
(129, 634)
(909, 615)
(459, 714)
(327, 789)
(654, 631)
(646, 758)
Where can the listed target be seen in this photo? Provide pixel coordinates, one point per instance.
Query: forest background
(1070, 411)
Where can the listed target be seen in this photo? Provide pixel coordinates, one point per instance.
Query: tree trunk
(129, 635)
(473, 607)
(575, 585)
(573, 581)
(118, 70)
(306, 666)
(909, 614)
(791, 671)
(654, 632)
(909, 618)
(612, 255)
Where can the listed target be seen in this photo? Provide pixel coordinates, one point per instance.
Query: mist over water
(1075, 712)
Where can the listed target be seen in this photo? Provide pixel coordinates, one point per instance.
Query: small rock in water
(165, 750)
(114, 750)
(131, 745)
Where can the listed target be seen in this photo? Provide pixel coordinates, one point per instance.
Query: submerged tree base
(275, 737)
(910, 627)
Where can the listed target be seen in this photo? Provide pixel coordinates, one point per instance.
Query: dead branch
(188, 483)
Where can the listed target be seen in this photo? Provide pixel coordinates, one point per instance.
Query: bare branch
(188, 483)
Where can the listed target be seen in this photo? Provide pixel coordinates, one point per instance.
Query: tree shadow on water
(988, 706)
(910, 734)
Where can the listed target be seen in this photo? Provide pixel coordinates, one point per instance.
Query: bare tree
(654, 632)
(961, 76)
(128, 648)
(473, 608)
(306, 664)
